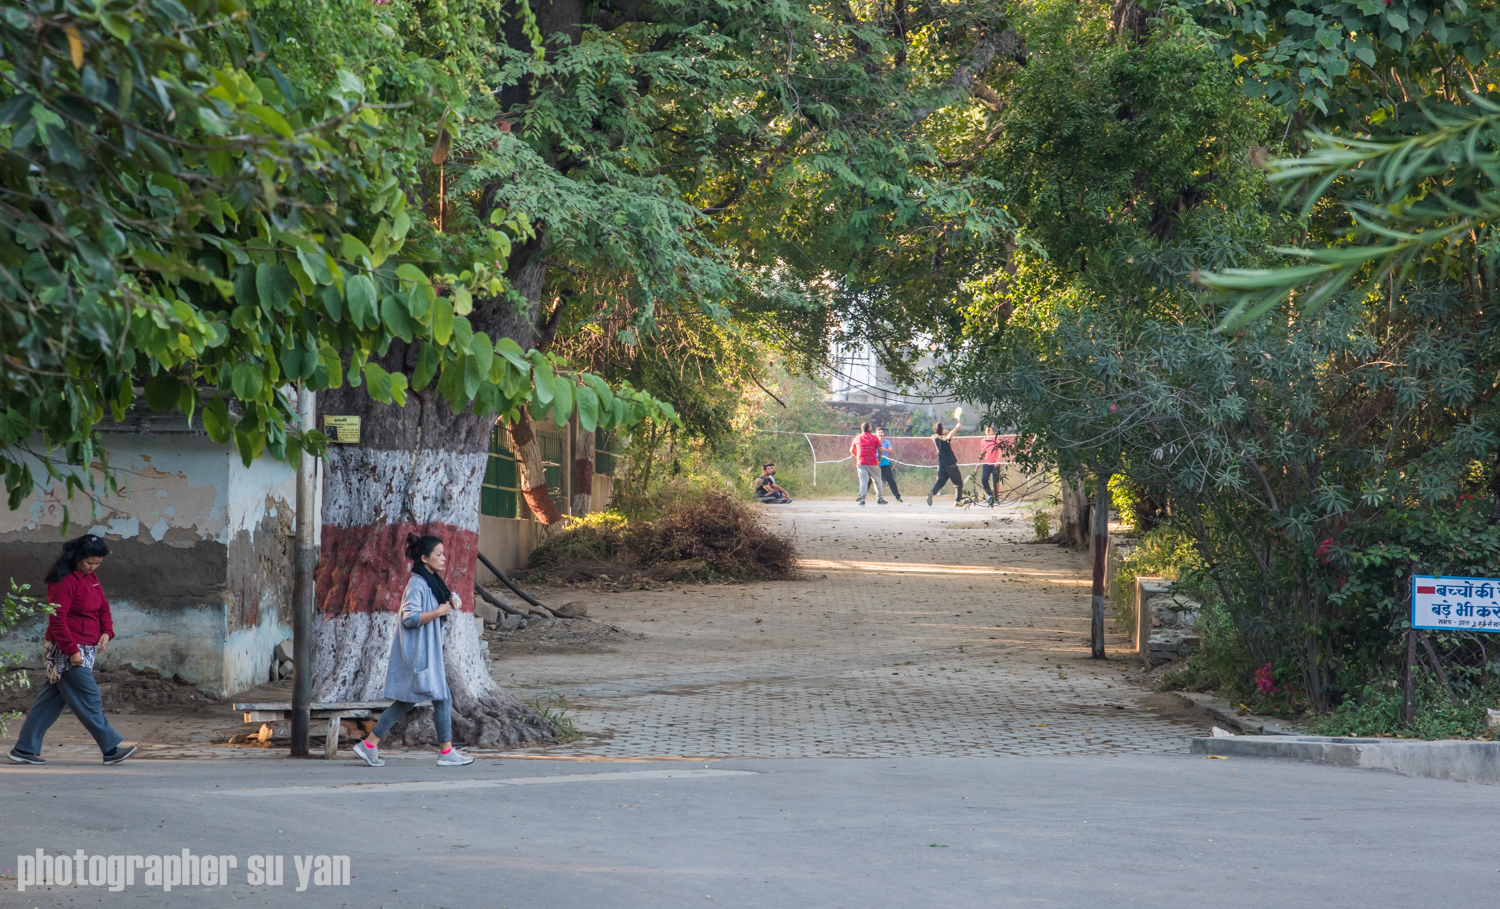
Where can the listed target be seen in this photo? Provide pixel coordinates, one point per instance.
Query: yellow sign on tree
(344, 430)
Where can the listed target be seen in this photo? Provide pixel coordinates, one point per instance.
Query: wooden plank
(331, 747)
(276, 716)
(333, 705)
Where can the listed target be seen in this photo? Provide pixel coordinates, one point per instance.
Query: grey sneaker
(929, 499)
(120, 753)
(367, 754)
(18, 756)
(454, 758)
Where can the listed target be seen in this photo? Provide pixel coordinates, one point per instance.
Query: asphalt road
(1085, 832)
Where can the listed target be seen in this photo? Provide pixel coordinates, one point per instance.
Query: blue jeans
(989, 478)
(442, 718)
(77, 689)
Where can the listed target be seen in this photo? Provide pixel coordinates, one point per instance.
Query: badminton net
(908, 451)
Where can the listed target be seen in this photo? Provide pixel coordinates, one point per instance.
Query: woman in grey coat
(416, 670)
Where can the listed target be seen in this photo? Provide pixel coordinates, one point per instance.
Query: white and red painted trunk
(528, 450)
(583, 473)
(373, 498)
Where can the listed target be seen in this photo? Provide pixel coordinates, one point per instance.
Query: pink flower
(1264, 683)
(1325, 550)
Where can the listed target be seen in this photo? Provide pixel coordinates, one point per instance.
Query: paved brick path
(918, 632)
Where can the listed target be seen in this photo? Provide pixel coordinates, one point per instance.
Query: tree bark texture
(583, 473)
(532, 471)
(1101, 554)
(1075, 507)
(417, 469)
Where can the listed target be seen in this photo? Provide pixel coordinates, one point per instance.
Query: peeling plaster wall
(199, 575)
(262, 520)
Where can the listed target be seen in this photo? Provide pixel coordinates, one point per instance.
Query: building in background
(199, 577)
(856, 377)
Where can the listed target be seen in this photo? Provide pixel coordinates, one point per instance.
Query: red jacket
(867, 447)
(82, 612)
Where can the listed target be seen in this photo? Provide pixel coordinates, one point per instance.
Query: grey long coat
(417, 649)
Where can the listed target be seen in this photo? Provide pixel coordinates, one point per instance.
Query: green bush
(594, 537)
(17, 606)
(1041, 524)
(1379, 710)
(1223, 663)
(1165, 552)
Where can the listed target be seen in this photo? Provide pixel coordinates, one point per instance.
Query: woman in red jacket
(78, 629)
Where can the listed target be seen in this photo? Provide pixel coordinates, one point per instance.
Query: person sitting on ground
(947, 463)
(866, 451)
(766, 489)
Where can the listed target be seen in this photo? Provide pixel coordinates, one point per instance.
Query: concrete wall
(506, 542)
(199, 576)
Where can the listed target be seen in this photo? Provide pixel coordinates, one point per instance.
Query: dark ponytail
(418, 547)
(87, 546)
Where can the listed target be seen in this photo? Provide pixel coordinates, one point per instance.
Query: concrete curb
(1227, 713)
(1459, 761)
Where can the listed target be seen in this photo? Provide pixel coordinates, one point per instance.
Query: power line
(876, 389)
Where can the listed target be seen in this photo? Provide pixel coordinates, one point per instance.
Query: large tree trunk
(417, 469)
(583, 473)
(1074, 529)
(533, 474)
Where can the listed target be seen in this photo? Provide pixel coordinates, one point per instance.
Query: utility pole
(1101, 553)
(304, 564)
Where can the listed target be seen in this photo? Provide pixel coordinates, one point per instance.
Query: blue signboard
(1455, 604)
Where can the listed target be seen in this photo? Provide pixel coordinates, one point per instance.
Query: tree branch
(963, 77)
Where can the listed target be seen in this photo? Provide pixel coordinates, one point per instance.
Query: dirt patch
(543, 636)
(123, 691)
(1170, 706)
(1151, 679)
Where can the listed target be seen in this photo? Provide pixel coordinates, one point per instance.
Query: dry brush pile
(712, 537)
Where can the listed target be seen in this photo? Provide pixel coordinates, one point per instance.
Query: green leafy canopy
(182, 222)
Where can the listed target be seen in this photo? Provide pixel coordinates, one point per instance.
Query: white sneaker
(454, 758)
(367, 754)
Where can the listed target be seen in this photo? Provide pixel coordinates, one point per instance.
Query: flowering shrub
(1265, 682)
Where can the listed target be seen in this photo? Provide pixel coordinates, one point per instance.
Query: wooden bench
(279, 711)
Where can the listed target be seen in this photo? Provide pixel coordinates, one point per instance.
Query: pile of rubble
(1172, 621)
(123, 689)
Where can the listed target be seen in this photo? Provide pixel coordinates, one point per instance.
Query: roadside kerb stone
(1222, 710)
(1458, 761)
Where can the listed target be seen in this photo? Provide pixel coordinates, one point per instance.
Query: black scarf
(439, 589)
